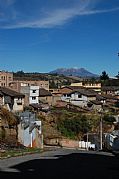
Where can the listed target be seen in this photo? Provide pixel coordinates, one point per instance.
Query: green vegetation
(73, 127)
(18, 152)
(73, 124)
(104, 76)
(109, 119)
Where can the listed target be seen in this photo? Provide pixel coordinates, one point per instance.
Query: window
(79, 95)
(68, 95)
(19, 101)
(10, 78)
(33, 91)
(33, 98)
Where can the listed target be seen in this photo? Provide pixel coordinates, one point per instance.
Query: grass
(18, 152)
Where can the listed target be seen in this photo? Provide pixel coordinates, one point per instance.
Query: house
(18, 84)
(12, 100)
(95, 105)
(65, 92)
(44, 107)
(29, 130)
(68, 89)
(79, 97)
(57, 93)
(31, 94)
(110, 90)
(6, 78)
(35, 95)
(96, 86)
(110, 99)
(56, 97)
(45, 96)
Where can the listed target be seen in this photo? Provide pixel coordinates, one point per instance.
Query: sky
(43, 35)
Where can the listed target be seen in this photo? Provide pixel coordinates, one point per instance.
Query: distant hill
(80, 72)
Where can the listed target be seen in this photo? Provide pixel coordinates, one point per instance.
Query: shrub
(73, 126)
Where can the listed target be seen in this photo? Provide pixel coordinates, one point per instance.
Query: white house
(31, 94)
(79, 97)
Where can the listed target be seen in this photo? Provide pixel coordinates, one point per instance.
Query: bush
(109, 119)
(73, 126)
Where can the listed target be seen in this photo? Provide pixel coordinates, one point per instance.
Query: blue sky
(42, 35)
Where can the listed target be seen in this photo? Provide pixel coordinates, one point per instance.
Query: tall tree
(104, 76)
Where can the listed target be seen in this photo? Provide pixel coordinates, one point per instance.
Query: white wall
(18, 104)
(75, 99)
(33, 101)
(34, 94)
(34, 90)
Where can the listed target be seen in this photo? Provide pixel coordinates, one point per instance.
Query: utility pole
(100, 128)
(87, 140)
(101, 132)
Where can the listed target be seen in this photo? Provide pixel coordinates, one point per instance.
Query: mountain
(80, 72)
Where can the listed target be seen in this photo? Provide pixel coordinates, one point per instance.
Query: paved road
(60, 163)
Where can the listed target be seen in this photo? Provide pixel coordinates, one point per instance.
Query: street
(59, 163)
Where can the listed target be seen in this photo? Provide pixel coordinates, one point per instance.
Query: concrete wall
(68, 143)
(34, 90)
(33, 100)
(33, 139)
(18, 104)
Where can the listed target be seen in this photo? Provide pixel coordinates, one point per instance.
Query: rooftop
(9, 92)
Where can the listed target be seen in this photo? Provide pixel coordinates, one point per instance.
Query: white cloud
(43, 16)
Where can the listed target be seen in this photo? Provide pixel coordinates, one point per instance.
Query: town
(80, 113)
(59, 89)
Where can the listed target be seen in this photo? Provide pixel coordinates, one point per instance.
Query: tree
(109, 119)
(104, 76)
(19, 73)
(52, 84)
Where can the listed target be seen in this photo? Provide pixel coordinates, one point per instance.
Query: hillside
(71, 123)
(55, 80)
(80, 72)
